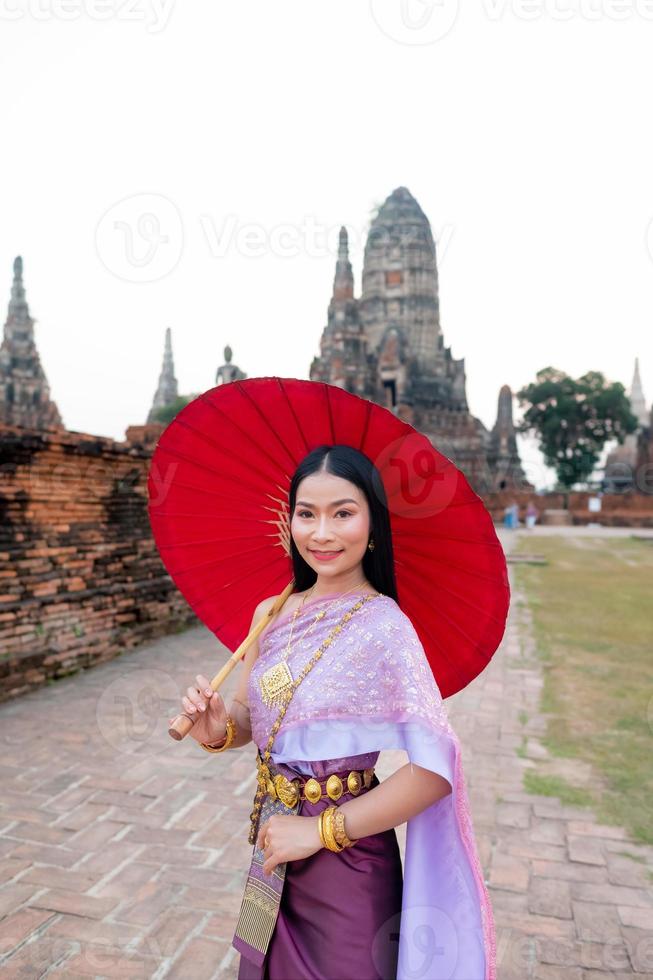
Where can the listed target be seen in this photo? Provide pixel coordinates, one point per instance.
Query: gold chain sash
(262, 898)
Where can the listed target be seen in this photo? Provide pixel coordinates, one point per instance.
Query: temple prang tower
(388, 346)
(344, 359)
(625, 464)
(167, 390)
(24, 390)
(636, 396)
(503, 455)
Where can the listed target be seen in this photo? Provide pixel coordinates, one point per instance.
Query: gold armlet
(326, 826)
(339, 831)
(229, 737)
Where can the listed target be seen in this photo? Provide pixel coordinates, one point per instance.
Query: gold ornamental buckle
(334, 787)
(286, 790)
(354, 782)
(312, 790)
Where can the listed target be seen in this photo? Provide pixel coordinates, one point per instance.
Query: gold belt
(290, 791)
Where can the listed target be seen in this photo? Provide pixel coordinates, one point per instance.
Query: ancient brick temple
(80, 576)
(628, 464)
(167, 390)
(387, 345)
(24, 390)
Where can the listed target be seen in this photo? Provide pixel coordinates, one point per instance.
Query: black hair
(355, 466)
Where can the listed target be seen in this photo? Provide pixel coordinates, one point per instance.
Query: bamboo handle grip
(183, 723)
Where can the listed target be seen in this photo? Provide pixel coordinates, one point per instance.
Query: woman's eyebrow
(345, 500)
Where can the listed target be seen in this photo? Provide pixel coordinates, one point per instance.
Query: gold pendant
(287, 791)
(276, 683)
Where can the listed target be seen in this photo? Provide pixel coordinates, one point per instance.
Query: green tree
(168, 412)
(574, 418)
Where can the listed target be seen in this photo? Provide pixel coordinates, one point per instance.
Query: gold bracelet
(327, 830)
(334, 830)
(330, 829)
(321, 828)
(339, 829)
(229, 737)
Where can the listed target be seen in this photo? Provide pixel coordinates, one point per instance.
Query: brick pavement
(572, 898)
(123, 854)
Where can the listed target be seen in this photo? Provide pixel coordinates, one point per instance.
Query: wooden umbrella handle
(183, 723)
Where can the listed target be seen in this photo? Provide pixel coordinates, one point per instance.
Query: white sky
(252, 131)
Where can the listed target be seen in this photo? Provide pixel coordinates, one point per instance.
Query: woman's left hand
(289, 838)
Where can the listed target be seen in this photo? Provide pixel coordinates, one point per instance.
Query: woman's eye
(307, 513)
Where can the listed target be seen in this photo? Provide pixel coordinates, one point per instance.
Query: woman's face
(331, 518)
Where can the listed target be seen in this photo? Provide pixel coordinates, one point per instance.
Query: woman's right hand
(207, 707)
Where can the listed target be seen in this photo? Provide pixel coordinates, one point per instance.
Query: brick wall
(617, 509)
(80, 577)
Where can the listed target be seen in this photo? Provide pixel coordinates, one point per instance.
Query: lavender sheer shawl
(373, 689)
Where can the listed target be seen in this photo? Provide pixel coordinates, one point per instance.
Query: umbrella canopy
(218, 506)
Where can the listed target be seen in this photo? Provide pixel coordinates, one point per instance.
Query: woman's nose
(322, 531)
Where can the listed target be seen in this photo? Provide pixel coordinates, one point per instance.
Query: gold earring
(371, 544)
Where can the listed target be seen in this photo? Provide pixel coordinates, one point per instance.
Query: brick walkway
(123, 854)
(572, 898)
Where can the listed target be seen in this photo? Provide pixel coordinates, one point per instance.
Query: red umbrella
(218, 505)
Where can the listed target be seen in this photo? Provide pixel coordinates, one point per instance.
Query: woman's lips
(325, 555)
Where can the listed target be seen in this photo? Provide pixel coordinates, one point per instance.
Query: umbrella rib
(196, 513)
(260, 447)
(293, 413)
(242, 605)
(196, 462)
(207, 490)
(267, 423)
(452, 663)
(366, 427)
(454, 625)
(221, 588)
(329, 412)
(212, 514)
(473, 604)
(450, 564)
(205, 541)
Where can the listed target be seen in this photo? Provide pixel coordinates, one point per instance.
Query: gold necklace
(277, 680)
(264, 778)
(292, 623)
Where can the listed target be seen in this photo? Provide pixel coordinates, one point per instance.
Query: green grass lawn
(591, 607)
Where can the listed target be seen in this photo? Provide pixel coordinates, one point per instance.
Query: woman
(312, 910)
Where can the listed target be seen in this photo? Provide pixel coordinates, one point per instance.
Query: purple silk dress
(355, 914)
(339, 913)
